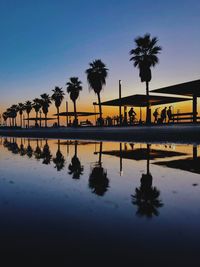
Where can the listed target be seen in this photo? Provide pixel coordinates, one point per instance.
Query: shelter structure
(68, 114)
(191, 89)
(140, 100)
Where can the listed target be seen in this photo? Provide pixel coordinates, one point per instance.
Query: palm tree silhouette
(28, 108)
(21, 109)
(146, 196)
(5, 117)
(59, 160)
(75, 168)
(45, 102)
(144, 57)
(57, 97)
(98, 181)
(73, 88)
(37, 106)
(96, 77)
(12, 111)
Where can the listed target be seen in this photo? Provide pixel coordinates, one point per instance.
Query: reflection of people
(164, 114)
(155, 114)
(169, 114)
(132, 115)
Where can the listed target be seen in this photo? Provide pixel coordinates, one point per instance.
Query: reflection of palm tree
(59, 160)
(75, 167)
(46, 154)
(22, 150)
(12, 146)
(96, 76)
(98, 180)
(144, 57)
(38, 151)
(29, 150)
(146, 196)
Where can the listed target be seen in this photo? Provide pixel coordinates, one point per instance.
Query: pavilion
(39, 119)
(140, 100)
(68, 114)
(191, 89)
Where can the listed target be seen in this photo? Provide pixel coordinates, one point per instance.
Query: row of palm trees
(144, 56)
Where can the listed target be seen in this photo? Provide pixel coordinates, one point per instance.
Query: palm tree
(73, 88)
(96, 77)
(144, 57)
(57, 97)
(5, 117)
(21, 109)
(37, 106)
(45, 102)
(12, 114)
(28, 108)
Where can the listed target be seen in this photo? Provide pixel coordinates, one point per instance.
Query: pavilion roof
(40, 119)
(141, 100)
(187, 89)
(141, 154)
(71, 113)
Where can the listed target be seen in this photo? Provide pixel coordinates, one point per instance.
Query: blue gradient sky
(45, 42)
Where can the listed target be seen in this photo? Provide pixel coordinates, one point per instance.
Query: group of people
(165, 115)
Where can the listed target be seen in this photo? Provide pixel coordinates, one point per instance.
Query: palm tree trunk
(58, 116)
(45, 119)
(148, 115)
(100, 108)
(75, 114)
(21, 120)
(28, 119)
(36, 121)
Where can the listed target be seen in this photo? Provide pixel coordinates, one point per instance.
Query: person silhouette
(155, 114)
(169, 114)
(164, 114)
(132, 115)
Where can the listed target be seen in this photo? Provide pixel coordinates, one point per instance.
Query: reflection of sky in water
(36, 196)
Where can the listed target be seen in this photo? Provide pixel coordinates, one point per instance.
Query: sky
(45, 42)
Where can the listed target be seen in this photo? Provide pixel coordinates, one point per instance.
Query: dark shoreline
(164, 133)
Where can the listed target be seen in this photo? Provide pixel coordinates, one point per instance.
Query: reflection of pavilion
(141, 154)
(191, 164)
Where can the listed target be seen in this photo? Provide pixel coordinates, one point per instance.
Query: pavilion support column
(120, 105)
(194, 108)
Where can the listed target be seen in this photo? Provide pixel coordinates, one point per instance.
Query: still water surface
(101, 202)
